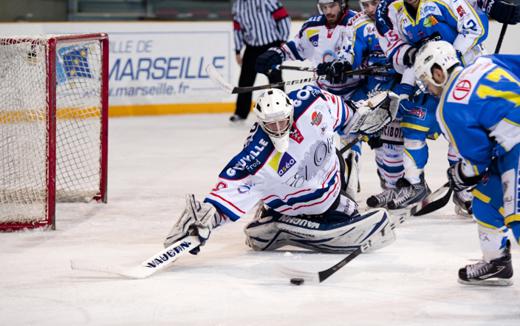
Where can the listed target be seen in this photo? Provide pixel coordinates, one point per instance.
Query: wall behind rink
(158, 67)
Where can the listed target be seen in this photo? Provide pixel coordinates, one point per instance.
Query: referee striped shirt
(259, 22)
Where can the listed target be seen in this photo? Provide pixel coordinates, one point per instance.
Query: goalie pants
(248, 76)
(496, 203)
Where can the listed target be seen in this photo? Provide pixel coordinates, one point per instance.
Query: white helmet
(274, 110)
(342, 4)
(442, 54)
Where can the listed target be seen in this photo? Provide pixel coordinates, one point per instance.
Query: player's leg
(412, 188)
(247, 78)
(332, 232)
(495, 268)
(509, 167)
(389, 160)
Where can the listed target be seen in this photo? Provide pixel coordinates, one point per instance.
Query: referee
(258, 25)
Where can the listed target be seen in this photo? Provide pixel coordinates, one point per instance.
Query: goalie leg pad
(330, 233)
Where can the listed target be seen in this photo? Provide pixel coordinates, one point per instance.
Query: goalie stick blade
(436, 200)
(157, 262)
(218, 79)
(138, 272)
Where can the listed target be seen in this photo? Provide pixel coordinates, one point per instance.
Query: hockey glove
(458, 181)
(196, 219)
(268, 60)
(335, 72)
(409, 57)
(502, 11)
(375, 141)
(373, 114)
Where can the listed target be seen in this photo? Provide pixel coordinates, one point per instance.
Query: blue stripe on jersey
(222, 209)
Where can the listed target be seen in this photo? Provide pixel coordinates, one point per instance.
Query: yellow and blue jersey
(458, 22)
(478, 111)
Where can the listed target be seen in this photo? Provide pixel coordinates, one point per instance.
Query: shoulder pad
(348, 15)
(303, 98)
(314, 21)
(359, 18)
(252, 157)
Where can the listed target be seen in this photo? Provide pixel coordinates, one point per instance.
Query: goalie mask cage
(53, 125)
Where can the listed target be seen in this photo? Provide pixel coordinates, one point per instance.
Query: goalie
(289, 163)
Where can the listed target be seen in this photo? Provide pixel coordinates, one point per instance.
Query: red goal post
(53, 125)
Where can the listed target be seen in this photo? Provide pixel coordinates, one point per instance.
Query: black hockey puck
(297, 281)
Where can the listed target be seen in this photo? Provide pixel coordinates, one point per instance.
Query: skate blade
(461, 212)
(489, 282)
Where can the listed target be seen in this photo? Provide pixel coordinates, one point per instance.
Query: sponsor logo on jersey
(295, 134)
(249, 161)
(314, 36)
(316, 118)
(281, 163)
(461, 11)
(418, 112)
(461, 90)
(430, 21)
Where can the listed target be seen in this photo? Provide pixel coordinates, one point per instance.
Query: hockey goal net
(53, 125)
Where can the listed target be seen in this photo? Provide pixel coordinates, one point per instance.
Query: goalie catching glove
(373, 114)
(196, 219)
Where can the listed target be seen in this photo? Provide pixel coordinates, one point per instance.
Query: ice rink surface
(153, 162)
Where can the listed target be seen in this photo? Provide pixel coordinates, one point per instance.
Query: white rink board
(162, 62)
(153, 162)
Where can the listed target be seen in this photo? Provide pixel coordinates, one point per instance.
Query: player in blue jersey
(479, 113)
(403, 26)
(289, 163)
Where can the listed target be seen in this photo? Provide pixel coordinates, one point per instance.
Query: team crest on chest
(316, 118)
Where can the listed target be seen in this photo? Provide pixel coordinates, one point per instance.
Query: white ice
(153, 163)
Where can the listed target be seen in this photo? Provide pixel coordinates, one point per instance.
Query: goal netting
(53, 125)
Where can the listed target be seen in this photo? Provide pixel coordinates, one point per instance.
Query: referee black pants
(248, 76)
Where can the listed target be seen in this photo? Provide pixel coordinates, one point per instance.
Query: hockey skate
(382, 199)
(498, 272)
(463, 203)
(408, 194)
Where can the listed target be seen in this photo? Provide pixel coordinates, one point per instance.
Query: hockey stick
(353, 142)
(150, 266)
(501, 37)
(434, 201)
(298, 277)
(219, 80)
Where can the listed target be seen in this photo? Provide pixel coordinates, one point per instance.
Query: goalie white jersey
(304, 180)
